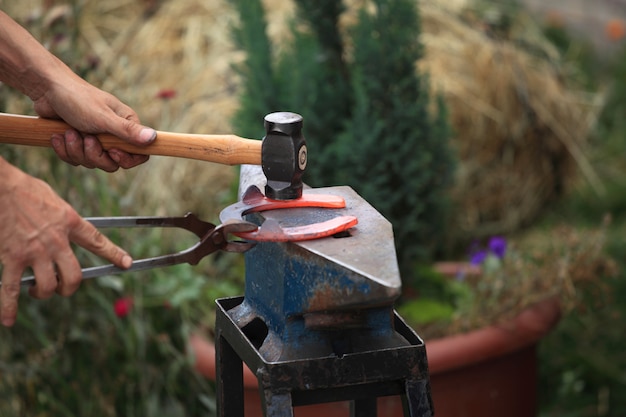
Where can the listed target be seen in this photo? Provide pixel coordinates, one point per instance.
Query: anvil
(316, 323)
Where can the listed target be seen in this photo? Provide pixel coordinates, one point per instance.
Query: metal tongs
(212, 239)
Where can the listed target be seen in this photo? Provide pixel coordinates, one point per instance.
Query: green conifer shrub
(366, 108)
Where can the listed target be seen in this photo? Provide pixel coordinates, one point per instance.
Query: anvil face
(345, 274)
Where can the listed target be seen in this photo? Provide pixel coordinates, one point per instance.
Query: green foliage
(582, 60)
(432, 299)
(256, 70)
(429, 283)
(583, 360)
(366, 111)
(75, 357)
(422, 311)
(612, 121)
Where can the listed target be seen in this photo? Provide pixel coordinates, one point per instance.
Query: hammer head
(283, 155)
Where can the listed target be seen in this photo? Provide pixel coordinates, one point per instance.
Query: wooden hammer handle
(223, 149)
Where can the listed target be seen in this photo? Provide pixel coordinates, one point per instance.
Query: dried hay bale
(182, 46)
(520, 131)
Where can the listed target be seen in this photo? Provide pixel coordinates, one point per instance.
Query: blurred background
(527, 105)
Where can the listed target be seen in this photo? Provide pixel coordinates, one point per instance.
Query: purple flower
(477, 257)
(497, 246)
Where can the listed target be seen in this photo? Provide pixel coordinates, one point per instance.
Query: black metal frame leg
(365, 407)
(229, 379)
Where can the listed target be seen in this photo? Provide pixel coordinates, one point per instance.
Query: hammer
(282, 153)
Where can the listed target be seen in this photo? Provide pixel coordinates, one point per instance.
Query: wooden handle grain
(223, 149)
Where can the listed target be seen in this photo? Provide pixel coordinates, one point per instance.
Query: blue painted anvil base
(312, 307)
(319, 334)
(316, 296)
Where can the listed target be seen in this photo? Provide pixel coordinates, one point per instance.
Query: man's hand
(91, 111)
(87, 151)
(59, 93)
(37, 228)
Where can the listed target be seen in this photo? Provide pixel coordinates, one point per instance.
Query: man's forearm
(24, 62)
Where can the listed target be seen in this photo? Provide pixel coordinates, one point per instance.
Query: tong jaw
(217, 239)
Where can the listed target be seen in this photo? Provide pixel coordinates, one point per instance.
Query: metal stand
(359, 377)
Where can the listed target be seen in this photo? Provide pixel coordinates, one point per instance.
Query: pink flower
(166, 94)
(123, 306)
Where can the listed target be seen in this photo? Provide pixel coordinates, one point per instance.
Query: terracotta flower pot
(487, 372)
(491, 371)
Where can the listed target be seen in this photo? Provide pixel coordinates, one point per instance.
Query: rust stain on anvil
(326, 296)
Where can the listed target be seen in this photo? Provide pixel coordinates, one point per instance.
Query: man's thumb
(134, 133)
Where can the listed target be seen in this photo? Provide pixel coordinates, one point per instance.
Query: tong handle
(212, 239)
(189, 222)
(139, 265)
